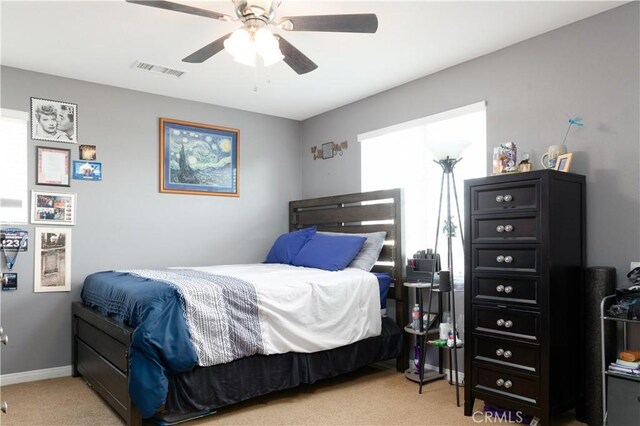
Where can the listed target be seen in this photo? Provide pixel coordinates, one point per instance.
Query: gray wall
(123, 221)
(590, 68)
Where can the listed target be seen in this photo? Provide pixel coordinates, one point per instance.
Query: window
(399, 157)
(13, 166)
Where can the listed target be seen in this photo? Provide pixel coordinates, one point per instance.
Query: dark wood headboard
(350, 213)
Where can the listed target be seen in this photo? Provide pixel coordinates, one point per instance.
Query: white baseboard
(32, 376)
(446, 371)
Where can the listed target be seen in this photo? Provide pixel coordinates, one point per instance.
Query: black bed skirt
(210, 388)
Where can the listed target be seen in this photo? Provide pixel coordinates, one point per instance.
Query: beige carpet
(370, 396)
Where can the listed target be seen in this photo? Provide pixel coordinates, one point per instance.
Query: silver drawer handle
(499, 228)
(508, 259)
(500, 322)
(508, 228)
(499, 199)
(500, 351)
(500, 259)
(508, 289)
(500, 288)
(508, 384)
(508, 198)
(500, 382)
(508, 323)
(4, 339)
(508, 354)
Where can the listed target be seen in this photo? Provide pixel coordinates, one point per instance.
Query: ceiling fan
(257, 17)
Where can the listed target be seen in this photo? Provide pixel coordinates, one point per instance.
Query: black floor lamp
(447, 155)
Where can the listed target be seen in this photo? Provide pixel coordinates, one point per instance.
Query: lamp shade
(451, 149)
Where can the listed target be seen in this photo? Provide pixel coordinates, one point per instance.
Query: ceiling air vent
(157, 69)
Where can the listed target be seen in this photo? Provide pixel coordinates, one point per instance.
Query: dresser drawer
(505, 229)
(507, 353)
(506, 322)
(493, 289)
(506, 383)
(505, 197)
(510, 258)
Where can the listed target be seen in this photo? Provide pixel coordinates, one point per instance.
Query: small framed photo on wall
(54, 121)
(53, 208)
(87, 170)
(88, 152)
(52, 270)
(52, 166)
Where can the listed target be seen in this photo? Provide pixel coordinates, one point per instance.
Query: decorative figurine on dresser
(524, 262)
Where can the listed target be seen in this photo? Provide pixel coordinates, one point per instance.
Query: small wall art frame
(53, 208)
(54, 121)
(198, 159)
(52, 166)
(52, 266)
(563, 162)
(87, 170)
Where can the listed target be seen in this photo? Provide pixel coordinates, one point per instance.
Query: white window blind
(13, 167)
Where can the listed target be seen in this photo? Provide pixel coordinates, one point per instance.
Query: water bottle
(415, 317)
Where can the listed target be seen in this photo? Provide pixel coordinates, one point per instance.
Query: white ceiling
(98, 41)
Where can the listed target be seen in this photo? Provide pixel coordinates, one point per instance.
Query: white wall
(589, 68)
(123, 221)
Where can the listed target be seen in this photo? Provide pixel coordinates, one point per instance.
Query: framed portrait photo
(52, 166)
(53, 208)
(198, 159)
(563, 162)
(52, 270)
(54, 121)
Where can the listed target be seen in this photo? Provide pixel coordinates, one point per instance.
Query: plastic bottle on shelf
(415, 317)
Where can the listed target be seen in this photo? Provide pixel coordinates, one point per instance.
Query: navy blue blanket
(161, 344)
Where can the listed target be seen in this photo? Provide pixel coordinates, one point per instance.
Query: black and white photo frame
(54, 121)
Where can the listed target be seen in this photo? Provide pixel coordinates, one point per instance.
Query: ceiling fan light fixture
(239, 43)
(268, 47)
(245, 43)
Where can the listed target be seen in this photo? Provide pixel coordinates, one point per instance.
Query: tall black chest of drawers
(524, 262)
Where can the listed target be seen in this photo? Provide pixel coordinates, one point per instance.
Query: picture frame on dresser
(563, 162)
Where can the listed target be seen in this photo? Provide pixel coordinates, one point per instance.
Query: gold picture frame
(199, 159)
(563, 162)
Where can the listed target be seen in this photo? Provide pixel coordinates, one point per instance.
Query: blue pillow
(329, 252)
(287, 246)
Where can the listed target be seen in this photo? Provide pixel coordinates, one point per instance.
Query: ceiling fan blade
(182, 8)
(206, 52)
(295, 58)
(355, 23)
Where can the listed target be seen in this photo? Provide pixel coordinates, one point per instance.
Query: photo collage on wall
(56, 124)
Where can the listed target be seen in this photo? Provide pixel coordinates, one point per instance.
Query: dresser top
(536, 174)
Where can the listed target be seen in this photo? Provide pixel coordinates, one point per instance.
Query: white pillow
(368, 254)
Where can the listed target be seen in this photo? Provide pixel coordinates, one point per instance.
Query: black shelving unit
(419, 374)
(626, 389)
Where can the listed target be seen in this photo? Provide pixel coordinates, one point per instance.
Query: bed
(105, 354)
